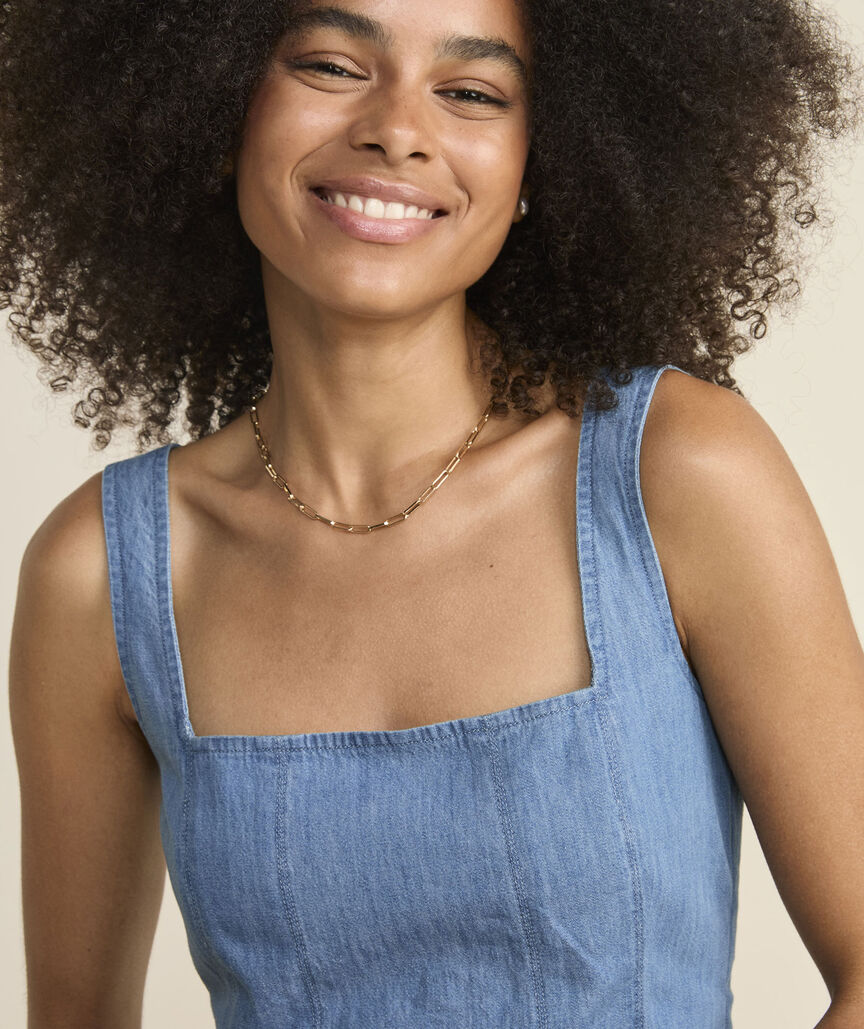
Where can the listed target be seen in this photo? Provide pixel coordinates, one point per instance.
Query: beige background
(805, 378)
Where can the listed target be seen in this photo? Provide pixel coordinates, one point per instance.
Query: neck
(360, 416)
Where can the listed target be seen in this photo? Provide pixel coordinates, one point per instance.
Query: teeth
(372, 207)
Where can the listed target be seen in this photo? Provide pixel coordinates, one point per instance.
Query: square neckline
(338, 739)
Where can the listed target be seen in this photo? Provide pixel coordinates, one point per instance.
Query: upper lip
(398, 192)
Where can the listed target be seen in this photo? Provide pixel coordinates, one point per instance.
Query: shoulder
(67, 550)
(63, 605)
(692, 415)
(704, 444)
(714, 479)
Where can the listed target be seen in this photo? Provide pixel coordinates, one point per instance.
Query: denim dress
(569, 862)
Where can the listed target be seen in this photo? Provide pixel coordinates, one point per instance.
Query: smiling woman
(462, 280)
(339, 79)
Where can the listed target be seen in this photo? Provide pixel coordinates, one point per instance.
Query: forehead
(469, 31)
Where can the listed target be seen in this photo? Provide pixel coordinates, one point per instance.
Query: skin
(350, 319)
(370, 363)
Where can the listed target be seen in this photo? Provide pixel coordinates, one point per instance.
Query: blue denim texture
(570, 862)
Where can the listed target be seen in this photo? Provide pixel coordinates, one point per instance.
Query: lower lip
(375, 230)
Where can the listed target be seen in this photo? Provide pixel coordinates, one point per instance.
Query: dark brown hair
(671, 164)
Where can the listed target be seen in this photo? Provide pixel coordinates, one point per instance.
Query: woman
(461, 280)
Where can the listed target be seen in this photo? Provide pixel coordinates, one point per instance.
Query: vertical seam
(207, 953)
(288, 897)
(630, 846)
(516, 875)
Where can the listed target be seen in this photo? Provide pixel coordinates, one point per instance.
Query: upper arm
(92, 865)
(772, 642)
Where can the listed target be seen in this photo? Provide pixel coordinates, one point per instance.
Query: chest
(473, 606)
(319, 649)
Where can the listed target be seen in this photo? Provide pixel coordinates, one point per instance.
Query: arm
(92, 866)
(771, 639)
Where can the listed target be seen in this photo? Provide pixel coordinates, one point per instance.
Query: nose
(396, 120)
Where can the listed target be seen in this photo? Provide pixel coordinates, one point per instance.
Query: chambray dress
(570, 862)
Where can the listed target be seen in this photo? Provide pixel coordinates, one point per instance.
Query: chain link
(347, 526)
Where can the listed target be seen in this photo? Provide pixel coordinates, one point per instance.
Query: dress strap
(135, 517)
(628, 618)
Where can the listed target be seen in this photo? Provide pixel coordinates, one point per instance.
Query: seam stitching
(208, 954)
(537, 984)
(161, 545)
(288, 898)
(630, 847)
(113, 531)
(273, 743)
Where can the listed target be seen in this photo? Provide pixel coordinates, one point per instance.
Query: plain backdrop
(804, 377)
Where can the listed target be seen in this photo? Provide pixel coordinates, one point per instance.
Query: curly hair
(672, 159)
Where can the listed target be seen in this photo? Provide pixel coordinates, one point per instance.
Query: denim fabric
(570, 862)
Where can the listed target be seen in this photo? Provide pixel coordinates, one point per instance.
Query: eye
(324, 66)
(485, 98)
(475, 96)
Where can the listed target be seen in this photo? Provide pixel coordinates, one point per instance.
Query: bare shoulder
(63, 587)
(66, 553)
(67, 550)
(701, 438)
(689, 415)
(706, 463)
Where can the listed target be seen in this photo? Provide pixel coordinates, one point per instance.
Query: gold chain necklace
(345, 526)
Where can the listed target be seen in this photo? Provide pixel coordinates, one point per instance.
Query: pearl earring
(523, 206)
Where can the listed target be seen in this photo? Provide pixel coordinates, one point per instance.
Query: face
(369, 100)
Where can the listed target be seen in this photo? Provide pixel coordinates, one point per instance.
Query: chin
(368, 300)
(364, 306)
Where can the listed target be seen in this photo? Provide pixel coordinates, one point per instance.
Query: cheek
(492, 166)
(492, 193)
(266, 130)
(274, 141)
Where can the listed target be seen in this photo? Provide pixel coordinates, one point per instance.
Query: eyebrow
(360, 26)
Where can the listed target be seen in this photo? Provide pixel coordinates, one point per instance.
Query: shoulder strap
(135, 516)
(628, 616)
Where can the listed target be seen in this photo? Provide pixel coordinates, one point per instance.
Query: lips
(398, 192)
(370, 229)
